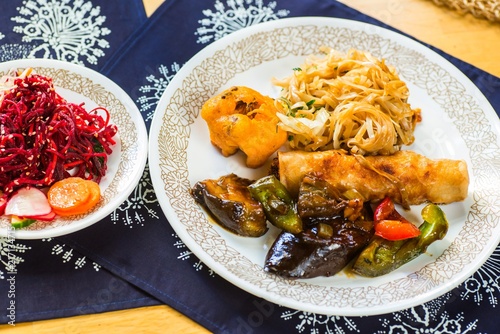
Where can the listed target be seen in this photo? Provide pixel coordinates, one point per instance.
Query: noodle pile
(353, 102)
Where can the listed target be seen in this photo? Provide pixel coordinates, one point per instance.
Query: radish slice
(48, 217)
(3, 204)
(28, 202)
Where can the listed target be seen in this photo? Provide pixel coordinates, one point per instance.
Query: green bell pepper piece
(278, 204)
(382, 256)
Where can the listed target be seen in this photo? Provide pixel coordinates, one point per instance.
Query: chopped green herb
(98, 148)
(310, 103)
(298, 69)
(285, 101)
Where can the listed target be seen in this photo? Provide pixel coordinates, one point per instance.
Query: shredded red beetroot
(43, 137)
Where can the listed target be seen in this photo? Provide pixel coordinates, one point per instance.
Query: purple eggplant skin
(318, 199)
(308, 255)
(230, 204)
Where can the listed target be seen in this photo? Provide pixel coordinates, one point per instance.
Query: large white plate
(458, 123)
(126, 164)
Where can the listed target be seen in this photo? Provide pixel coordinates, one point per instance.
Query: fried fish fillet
(407, 177)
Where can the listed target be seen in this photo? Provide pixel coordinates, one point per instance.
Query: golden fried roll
(407, 177)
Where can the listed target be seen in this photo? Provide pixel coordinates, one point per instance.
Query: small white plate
(126, 164)
(458, 123)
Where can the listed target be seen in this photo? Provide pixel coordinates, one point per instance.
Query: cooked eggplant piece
(318, 199)
(314, 252)
(231, 205)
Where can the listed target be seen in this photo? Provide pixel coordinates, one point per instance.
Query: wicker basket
(485, 9)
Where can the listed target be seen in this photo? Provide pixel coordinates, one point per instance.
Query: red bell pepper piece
(384, 209)
(390, 225)
(396, 230)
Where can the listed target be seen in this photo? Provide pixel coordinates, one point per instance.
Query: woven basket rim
(484, 9)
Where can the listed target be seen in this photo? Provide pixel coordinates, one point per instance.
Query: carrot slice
(73, 196)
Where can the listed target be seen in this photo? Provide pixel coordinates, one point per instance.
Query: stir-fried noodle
(353, 102)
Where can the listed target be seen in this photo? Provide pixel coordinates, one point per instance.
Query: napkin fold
(48, 279)
(156, 261)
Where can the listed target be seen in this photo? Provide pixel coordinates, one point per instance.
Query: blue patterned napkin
(137, 245)
(85, 32)
(144, 249)
(48, 279)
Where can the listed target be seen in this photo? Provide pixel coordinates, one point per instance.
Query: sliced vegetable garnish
(3, 203)
(28, 202)
(20, 222)
(73, 196)
(48, 217)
